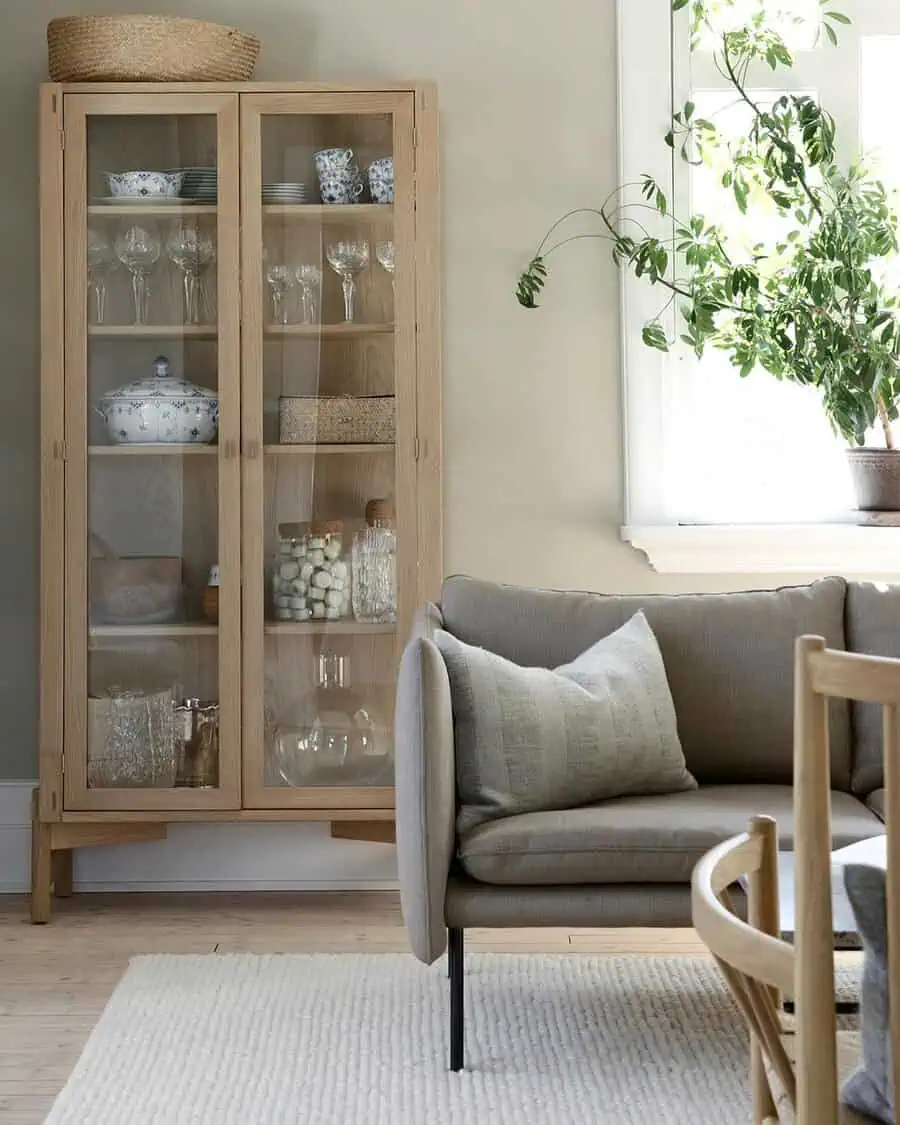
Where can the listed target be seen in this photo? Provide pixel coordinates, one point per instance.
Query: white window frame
(653, 41)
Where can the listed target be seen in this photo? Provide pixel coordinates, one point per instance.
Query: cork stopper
(380, 513)
(314, 527)
(326, 527)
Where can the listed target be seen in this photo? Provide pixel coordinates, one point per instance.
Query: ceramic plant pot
(876, 480)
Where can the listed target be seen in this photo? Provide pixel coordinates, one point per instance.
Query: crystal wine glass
(281, 279)
(192, 252)
(384, 252)
(101, 258)
(309, 278)
(138, 250)
(348, 259)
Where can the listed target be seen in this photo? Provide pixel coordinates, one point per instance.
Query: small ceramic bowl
(147, 184)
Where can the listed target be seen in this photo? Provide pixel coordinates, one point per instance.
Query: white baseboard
(204, 857)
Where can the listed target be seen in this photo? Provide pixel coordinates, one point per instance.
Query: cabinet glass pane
(329, 431)
(152, 466)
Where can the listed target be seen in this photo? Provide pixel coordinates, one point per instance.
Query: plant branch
(885, 420)
(783, 143)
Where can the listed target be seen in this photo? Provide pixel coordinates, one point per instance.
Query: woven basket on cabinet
(338, 419)
(148, 49)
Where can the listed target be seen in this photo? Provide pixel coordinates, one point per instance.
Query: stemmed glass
(101, 258)
(281, 280)
(348, 259)
(192, 252)
(384, 252)
(138, 250)
(309, 278)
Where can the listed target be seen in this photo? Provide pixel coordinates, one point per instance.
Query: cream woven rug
(362, 1040)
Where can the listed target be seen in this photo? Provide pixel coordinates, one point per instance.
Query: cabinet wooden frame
(65, 110)
(79, 110)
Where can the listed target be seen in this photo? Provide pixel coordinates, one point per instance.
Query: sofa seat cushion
(640, 839)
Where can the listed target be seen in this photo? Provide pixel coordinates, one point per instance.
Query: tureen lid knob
(161, 365)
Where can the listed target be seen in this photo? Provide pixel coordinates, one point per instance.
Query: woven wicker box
(339, 420)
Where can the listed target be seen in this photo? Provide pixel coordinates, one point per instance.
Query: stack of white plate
(285, 193)
(201, 184)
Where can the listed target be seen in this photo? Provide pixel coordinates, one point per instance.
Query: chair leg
(457, 1010)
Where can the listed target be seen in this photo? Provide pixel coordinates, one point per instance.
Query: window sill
(808, 549)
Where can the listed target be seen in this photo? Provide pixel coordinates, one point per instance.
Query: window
(705, 447)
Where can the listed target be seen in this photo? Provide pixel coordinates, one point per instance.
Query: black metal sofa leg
(457, 1008)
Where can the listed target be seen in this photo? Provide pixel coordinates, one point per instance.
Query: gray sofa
(626, 862)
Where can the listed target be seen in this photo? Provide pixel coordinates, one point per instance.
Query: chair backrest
(754, 960)
(821, 674)
(757, 964)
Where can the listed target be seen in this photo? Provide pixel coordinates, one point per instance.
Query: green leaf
(831, 33)
(838, 17)
(677, 5)
(654, 336)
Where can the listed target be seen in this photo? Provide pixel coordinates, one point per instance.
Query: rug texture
(347, 1039)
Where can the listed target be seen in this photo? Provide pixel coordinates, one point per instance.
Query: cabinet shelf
(184, 629)
(341, 331)
(152, 450)
(315, 450)
(110, 211)
(317, 628)
(332, 212)
(153, 331)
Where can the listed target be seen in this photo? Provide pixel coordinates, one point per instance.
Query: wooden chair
(757, 964)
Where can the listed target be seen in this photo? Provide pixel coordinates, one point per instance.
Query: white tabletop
(872, 852)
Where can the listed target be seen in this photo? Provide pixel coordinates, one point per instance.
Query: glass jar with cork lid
(374, 567)
(311, 577)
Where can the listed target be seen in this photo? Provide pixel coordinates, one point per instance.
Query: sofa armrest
(426, 788)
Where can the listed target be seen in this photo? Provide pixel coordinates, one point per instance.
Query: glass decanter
(337, 738)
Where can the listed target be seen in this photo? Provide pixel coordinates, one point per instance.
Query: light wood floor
(56, 979)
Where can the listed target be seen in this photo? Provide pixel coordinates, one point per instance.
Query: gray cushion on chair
(868, 1090)
(729, 660)
(534, 738)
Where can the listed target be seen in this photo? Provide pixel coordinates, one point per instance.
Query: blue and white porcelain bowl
(161, 409)
(145, 185)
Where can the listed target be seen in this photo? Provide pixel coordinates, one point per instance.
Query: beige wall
(533, 463)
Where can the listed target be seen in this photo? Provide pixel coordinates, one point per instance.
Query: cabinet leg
(41, 865)
(62, 873)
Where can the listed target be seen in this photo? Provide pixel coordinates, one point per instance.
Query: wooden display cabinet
(117, 666)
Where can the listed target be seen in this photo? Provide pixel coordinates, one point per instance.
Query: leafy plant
(812, 303)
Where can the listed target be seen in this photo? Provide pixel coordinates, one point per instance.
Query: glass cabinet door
(329, 430)
(152, 417)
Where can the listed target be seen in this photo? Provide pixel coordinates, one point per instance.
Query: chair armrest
(426, 788)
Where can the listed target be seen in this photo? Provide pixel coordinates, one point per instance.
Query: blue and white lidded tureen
(161, 409)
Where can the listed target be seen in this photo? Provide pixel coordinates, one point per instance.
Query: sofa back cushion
(873, 627)
(729, 660)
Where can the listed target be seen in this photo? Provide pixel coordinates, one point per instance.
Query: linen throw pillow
(869, 1089)
(530, 739)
